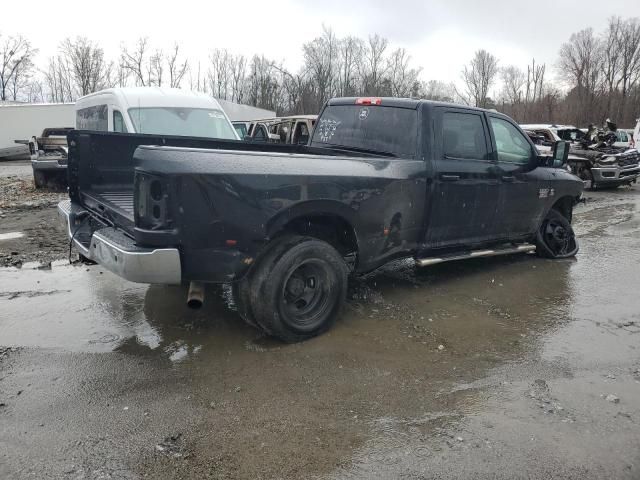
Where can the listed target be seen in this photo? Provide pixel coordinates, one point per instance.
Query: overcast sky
(440, 35)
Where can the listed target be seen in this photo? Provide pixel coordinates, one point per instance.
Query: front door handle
(508, 178)
(450, 178)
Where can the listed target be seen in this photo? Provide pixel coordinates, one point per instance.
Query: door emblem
(546, 192)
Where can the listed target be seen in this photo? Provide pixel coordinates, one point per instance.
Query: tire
(241, 290)
(40, 179)
(587, 178)
(555, 237)
(298, 288)
(241, 296)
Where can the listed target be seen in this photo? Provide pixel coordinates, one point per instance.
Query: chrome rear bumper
(117, 252)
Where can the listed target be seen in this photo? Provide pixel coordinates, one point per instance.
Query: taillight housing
(151, 202)
(368, 101)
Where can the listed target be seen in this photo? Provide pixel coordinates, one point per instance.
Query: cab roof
(410, 103)
(132, 97)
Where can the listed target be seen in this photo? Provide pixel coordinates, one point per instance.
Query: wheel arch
(564, 206)
(330, 221)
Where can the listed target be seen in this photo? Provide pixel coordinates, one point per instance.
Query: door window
(511, 145)
(463, 136)
(118, 122)
(301, 135)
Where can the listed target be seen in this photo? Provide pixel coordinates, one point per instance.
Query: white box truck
(22, 121)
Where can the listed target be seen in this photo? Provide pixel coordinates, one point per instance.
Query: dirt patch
(31, 212)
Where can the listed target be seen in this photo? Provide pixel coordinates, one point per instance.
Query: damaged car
(594, 156)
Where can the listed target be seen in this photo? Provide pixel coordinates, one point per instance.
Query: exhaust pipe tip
(195, 297)
(194, 304)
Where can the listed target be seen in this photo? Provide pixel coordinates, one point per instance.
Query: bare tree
(350, 50)
(580, 66)
(320, 66)
(611, 58)
(630, 59)
(438, 91)
(513, 80)
(237, 68)
(59, 79)
(134, 62)
(535, 81)
(219, 73)
(373, 67)
(16, 58)
(155, 69)
(402, 78)
(177, 67)
(479, 76)
(89, 70)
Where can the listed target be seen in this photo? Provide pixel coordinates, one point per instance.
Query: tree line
(598, 75)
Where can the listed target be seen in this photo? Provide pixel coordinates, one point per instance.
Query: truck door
(520, 208)
(465, 189)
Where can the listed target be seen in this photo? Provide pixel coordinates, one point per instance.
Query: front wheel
(555, 237)
(298, 288)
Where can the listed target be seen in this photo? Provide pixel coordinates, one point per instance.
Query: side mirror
(560, 153)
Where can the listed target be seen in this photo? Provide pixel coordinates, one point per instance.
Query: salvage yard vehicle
(381, 179)
(293, 130)
(598, 166)
(49, 155)
(241, 128)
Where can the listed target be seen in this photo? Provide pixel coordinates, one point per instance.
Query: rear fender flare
(309, 209)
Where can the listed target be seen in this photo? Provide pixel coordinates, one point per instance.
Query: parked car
(293, 130)
(147, 110)
(597, 166)
(241, 128)
(381, 179)
(623, 139)
(49, 155)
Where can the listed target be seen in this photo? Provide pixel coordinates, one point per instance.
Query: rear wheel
(555, 238)
(241, 297)
(298, 288)
(40, 179)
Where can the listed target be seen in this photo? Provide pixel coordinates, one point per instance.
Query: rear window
(378, 128)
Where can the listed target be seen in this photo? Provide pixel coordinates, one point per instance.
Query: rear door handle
(508, 178)
(450, 178)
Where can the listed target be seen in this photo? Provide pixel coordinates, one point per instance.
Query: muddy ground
(27, 210)
(502, 368)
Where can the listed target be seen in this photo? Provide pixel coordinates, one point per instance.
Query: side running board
(507, 250)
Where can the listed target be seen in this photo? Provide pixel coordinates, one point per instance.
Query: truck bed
(118, 201)
(101, 167)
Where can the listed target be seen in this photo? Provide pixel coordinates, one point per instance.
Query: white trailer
(23, 121)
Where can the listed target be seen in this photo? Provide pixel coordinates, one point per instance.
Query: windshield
(378, 128)
(192, 122)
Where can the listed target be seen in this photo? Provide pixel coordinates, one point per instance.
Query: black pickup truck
(381, 178)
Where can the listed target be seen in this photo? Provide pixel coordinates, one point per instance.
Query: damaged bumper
(615, 175)
(117, 252)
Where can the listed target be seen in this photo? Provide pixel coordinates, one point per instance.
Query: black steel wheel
(298, 288)
(556, 238)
